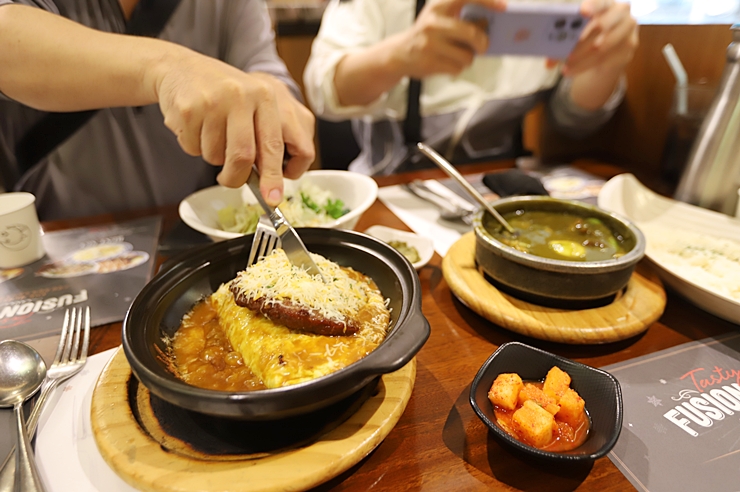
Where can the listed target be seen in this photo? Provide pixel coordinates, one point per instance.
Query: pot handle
(402, 347)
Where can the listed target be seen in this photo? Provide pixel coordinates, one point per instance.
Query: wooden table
(439, 444)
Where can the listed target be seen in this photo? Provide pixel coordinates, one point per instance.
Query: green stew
(561, 236)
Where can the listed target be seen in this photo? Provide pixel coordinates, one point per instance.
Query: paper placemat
(681, 407)
(422, 217)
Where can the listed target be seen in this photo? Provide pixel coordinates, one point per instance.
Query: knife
(294, 248)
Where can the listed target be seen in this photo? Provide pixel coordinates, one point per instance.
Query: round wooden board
(142, 463)
(641, 304)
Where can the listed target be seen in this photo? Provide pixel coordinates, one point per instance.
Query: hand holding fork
(69, 359)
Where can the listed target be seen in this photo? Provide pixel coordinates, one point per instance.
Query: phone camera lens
(560, 23)
(576, 24)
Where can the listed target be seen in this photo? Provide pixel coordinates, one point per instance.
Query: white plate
(357, 191)
(424, 246)
(66, 451)
(651, 212)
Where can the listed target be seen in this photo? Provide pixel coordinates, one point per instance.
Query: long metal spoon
(22, 370)
(454, 174)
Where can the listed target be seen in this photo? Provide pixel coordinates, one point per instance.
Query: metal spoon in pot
(22, 370)
(454, 174)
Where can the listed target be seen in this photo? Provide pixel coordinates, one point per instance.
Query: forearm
(54, 64)
(575, 121)
(363, 76)
(591, 89)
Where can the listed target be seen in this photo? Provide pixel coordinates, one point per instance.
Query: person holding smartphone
(471, 105)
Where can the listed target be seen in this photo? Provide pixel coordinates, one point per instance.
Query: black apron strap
(412, 123)
(150, 16)
(148, 19)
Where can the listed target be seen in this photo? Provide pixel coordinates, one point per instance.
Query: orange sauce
(200, 353)
(564, 438)
(203, 356)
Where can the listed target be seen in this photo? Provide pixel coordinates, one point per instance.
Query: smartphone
(529, 28)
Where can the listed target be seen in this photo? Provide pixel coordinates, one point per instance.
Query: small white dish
(667, 224)
(357, 191)
(424, 246)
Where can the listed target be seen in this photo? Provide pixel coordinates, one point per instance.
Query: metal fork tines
(292, 244)
(265, 240)
(69, 360)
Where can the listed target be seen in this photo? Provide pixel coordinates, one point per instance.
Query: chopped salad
(311, 206)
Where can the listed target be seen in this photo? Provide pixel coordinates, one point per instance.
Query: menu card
(103, 267)
(681, 427)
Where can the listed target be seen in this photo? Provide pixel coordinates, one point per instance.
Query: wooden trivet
(631, 312)
(149, 457)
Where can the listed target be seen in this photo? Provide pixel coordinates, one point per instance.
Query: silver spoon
(22, 370)
(454, 174)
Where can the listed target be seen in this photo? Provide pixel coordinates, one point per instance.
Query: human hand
(234, 119)
(609, 40)
(298, 126)
(440, 42)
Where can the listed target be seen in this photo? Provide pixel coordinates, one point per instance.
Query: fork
(447, 209)
(291, 242)
(265, 240)
(69, 360)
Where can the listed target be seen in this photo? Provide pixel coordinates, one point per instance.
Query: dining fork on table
(69, 360)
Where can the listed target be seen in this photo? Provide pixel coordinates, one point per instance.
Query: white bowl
(666, 224)
(357, 191)
(424, 246)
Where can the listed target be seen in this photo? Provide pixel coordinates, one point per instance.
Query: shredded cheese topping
(275, 279)
(280, 356)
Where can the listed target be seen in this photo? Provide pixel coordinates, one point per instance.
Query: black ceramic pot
(157, 310)
(555, 282)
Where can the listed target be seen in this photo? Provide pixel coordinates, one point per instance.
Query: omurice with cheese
(275, 325)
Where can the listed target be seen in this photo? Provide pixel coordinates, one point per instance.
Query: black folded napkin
(513, 182)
